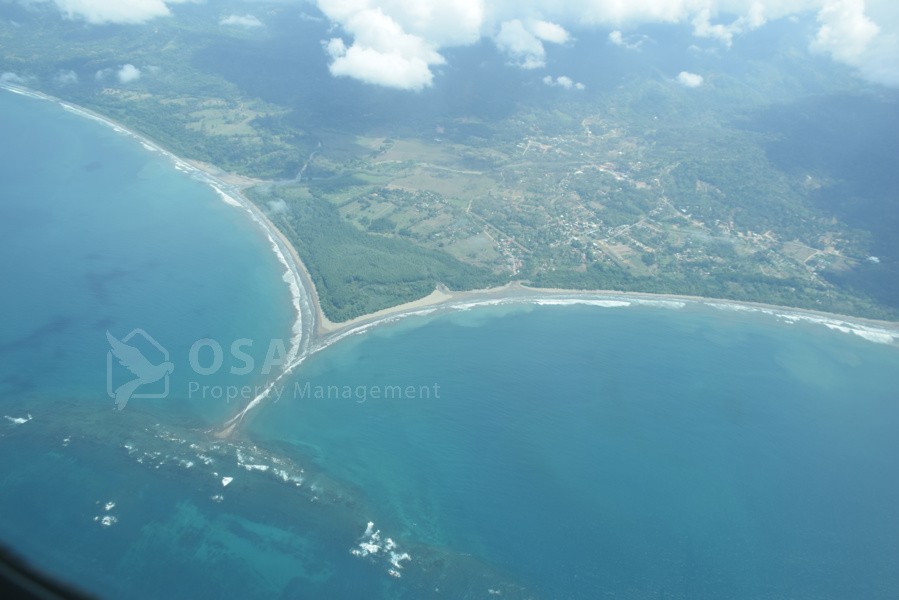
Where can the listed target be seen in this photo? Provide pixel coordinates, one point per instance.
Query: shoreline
(229, 189)
(518, 293)
(232, 184)
(313, 331)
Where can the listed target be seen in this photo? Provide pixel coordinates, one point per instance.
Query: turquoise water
(637, 452)
(100, 234)
(563, 452)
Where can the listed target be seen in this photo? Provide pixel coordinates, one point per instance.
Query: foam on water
(191, 457)
(630, 404)
(583, 301)
(18, 420)
(871, 333)
(23, 91)
(672, 304)
(299, 297)
(106, 520)
(371, 546)
(256, 467)
(878, 336)
(225, 197)
(291, 276)
(600, 300)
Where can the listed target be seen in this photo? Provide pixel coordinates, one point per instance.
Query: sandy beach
(313, 331)
(517, 292)
(232, 184)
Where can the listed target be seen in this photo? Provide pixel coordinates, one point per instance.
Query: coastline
(229, 187)
(313, 331)
(517, 292)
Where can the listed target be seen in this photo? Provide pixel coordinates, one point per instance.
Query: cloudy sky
(398, 43)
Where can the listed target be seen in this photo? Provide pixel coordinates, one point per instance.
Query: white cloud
(128, 73)
(10, 77)
(864, 35)
(550, 32)
(523, 47)
(382, 53)
(631, 42)
(335, 47)
(846, 31)
(690, 80)
(115, 11)
(753, 18)
(563, 81)
(248, 21)
(424, 27)
(395, 42)
(390, 69)
(66, 77)
(278, 206)
(880, 62)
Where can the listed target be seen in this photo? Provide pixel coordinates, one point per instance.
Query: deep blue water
(566, 452)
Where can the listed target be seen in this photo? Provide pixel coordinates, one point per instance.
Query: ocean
(621, 449)
(92, 224)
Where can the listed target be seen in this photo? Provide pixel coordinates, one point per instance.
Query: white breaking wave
(872, 335)
(371, 546)
(18, 420)
(106, 520)
(675, 304)
(225, 197)
(290, 276)
(396, 559)
(293, 284)
(493, 302)
(24, 92)
(256, 467)
(583, 301)
(878, 335)
(284, 476)
(732, 306)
